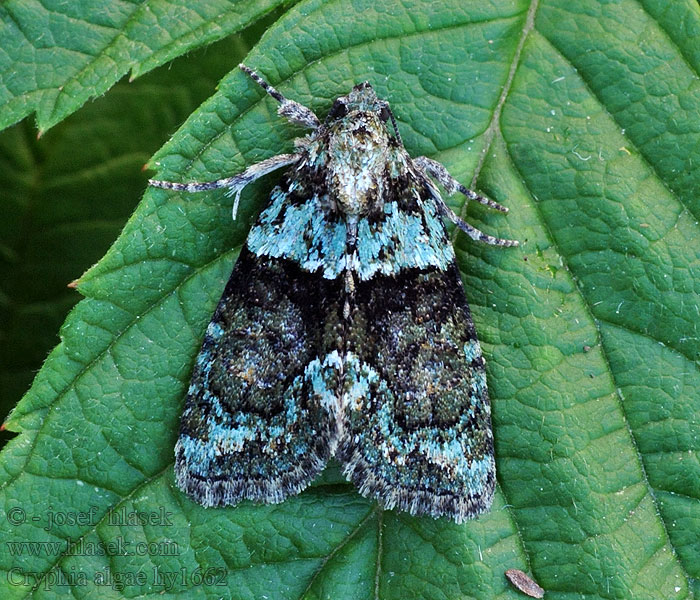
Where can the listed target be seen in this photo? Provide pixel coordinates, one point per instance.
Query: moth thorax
(358, 161)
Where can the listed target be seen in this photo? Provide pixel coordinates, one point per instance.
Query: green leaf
(583, 121)
(56, 55)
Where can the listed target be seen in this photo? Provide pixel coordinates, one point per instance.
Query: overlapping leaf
(55, 55)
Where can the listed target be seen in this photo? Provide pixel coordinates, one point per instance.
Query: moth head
(361, 104)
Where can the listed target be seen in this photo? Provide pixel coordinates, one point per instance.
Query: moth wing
(252, 428)
(417, 421)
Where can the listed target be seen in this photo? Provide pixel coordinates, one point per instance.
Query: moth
(343, 331)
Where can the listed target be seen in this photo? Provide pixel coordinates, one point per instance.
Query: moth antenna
(289, 109)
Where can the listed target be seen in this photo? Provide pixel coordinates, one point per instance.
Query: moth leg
(235, 183)
(470, 230)
(290, 110)
(443, 176)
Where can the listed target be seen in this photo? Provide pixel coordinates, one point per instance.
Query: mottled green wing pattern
(252, 427)
(417, 431)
